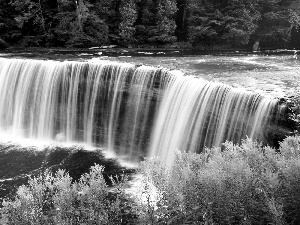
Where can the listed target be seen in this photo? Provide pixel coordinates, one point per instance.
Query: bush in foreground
(56, 199)
(243, 184)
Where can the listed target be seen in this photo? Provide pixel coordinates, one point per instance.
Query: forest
(203, 24)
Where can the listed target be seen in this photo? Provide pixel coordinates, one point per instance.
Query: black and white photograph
(149, 112)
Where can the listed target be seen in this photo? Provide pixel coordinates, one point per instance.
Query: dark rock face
(285, 122)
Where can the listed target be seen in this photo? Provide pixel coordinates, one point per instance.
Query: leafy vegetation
(56, 199)
(147, 23)
(242, 184)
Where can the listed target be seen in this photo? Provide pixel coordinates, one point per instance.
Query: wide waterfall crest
(133, 111)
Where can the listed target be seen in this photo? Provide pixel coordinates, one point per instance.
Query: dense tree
(240, 21)
(145, 21)
(294, 10)
(9, 30)
(79, 25)
(128, 13)
(30, 10)
(82, 13)
(67, 25)
(274, 28)
(213, 22)
(34, 20)
(181, 20)
(164, 29)
(156, 21)
(203, 23)
(104, 13)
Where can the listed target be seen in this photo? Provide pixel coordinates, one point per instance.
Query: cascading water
(133, 111)
(195, 114)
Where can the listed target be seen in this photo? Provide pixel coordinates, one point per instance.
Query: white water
(131, 111)
(195, 114)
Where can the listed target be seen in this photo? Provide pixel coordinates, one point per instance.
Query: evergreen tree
(204, 22)
(240, 21)
(30, 10)
(9, 30)
(85, 23)
(128, 13)
(156, 22)
(79, 24)
(97, 24)
(181, 20)
(165, 25)
(213, 22)
(35, 20)
(145, 21)
(294, 10)
(66, 17)
(274, 26)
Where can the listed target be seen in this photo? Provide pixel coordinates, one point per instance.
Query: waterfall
(132, 111)
(195, 114)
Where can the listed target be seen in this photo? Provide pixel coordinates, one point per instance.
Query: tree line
(148, 23)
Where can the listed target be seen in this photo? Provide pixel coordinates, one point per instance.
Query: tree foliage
(232, 21)
(87, 23)
(164, 29)
(294, 11)
(274, 27)
(128, 13)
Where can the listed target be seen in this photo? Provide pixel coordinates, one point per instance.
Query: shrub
(55, 199)
(243, 184)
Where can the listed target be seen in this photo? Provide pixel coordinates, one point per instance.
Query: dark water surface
(18, 163)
